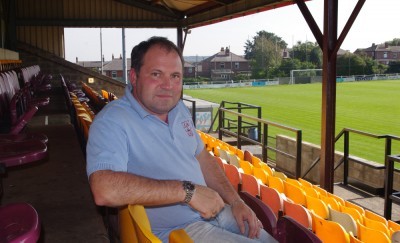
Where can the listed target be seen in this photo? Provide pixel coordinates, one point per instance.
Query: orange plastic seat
(267, 169)
(233, 175)
(305, 183)
(250, 185)
(240, 153)
(355, 206)
(371, 215)
(353, 212)
(298, 213)
(321, 191)
(272, 198)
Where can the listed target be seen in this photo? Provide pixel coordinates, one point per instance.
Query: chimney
(76, 59)
(222, 48)
(112, 57)
(120, 56)
(227, 51)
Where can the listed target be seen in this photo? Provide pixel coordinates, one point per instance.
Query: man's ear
(132, 77)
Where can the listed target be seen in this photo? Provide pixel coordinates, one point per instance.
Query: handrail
(264, 141)
(193, 109)
(346, 148)
(389, 195)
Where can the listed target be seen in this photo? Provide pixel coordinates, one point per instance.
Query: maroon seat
(289, 230)
(19, 222)
(22, 152)
(9, 138)
(263, 211)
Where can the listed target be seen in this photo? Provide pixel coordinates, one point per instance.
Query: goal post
(303, 73)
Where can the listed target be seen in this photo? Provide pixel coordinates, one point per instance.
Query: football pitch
(369, 106)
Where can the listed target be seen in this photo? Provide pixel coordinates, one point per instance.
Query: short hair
(141, 49)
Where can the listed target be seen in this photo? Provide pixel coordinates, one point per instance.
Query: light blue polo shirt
(125, 137)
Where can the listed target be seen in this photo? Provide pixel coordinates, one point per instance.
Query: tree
(354, 64)
(308, 52)
(265, 53)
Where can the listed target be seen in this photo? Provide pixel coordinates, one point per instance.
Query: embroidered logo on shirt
(188, 128)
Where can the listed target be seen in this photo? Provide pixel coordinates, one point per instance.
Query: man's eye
(156, 75)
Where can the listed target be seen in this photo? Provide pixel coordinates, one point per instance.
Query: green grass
(372, 107)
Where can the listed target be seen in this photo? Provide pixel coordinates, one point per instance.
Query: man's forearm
(115, 189)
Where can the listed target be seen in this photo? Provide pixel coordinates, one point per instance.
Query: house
(114, 68)
(224, 65)
(92, 65)
(382, 53)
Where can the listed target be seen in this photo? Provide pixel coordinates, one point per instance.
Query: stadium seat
(246, 166)
(371, 215)
(295, 193)
(330, 202)
(321, 191)
(305, 183)
(353, 212)
(289, 230)
(373, 224)
(135, 227)
(250, 185)
(234, 160)
(272, 198)
(355, 206)
(298, 213)
(329, 231)
(261, 175)
(280, 175)
(233, 175)
(276, 183)
(317, 206)
(263, 212)
(369, 235)
(19, 222)
(345, 220)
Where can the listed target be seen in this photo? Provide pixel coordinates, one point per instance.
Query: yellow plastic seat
(267, 169)
(373, 224)
(135, 227)
(276, 183)
(295, 193)
(321, 191)
(261, 175)
(305, 183)
(246, 166)
(272, 198)
(256, 162)
(310, 191)
(240, 153)
(371, 215)
(338, 199)
(330, 202)
(318, 207)
(294, 182)
(393, 226)
(369, 235)
(298, 213)
(280, 175)
(329, 231)
(355, 206)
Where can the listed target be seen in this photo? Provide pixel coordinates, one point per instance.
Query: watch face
(188, 186)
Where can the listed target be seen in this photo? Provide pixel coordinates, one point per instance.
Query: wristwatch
(189, 188)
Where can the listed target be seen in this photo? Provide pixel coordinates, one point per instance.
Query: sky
(376, 23)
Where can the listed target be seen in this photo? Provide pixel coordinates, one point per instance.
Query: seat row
(19, 221)
(309, 204)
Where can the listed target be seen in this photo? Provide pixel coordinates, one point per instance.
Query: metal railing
(264, 138)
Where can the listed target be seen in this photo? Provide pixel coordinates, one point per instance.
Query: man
(144, 149)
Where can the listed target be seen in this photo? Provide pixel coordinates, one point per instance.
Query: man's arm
(216, 179)
(114, 189)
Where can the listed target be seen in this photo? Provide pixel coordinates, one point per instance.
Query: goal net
(304, 76)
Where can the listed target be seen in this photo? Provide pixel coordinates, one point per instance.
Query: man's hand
(242, 213)
(206, 201)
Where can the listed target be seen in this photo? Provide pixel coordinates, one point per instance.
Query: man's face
(158, 85)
